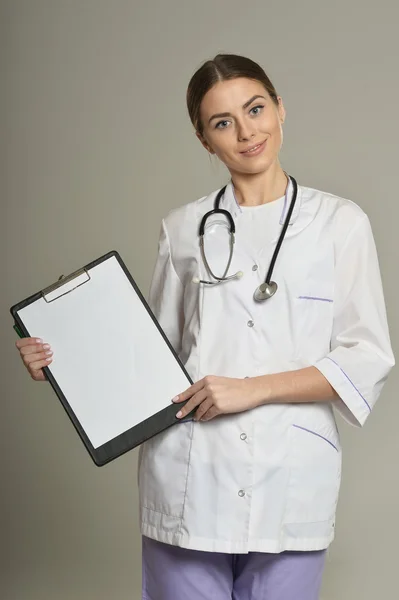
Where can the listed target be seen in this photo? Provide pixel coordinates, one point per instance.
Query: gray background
(96, 148)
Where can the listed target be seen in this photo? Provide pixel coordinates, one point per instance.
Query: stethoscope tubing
(267, 288)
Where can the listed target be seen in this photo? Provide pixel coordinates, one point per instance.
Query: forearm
(303, 385)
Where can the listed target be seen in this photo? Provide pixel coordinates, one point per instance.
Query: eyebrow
(227, 114)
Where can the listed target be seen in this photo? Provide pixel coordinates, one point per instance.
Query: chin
(256, 168)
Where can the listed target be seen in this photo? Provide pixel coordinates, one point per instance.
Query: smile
(254, 149)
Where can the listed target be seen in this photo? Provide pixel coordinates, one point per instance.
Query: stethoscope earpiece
(237, 275)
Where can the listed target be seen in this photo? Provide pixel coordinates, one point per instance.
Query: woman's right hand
(35, 355)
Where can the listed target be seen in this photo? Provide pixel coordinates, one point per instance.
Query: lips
(253, 149)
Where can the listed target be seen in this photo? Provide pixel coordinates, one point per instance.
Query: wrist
(257, 390)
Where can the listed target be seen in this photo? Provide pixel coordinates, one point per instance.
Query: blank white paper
(110, 360)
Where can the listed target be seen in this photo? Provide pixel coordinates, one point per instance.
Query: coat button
(255, 268)
(243, 436)
(241, 493)
(250, 323)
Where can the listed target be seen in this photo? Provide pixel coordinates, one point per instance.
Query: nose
(245, 131)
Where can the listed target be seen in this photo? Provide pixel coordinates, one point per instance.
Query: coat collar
(230, 203)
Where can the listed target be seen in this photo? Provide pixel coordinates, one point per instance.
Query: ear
(281, 109)
(204, 142)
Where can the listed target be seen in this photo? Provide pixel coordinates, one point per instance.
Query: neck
(261, 188)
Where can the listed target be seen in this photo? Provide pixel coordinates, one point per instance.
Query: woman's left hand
(216, 396)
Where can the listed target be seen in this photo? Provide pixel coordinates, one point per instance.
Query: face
(242, 125)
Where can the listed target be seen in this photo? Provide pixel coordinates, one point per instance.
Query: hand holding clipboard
(35, 355)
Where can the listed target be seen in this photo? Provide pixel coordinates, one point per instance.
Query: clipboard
(114, 369)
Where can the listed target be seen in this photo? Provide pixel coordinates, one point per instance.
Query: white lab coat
(266, 479)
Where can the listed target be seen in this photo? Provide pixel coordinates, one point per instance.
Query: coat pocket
(313, 315)
(315, 474)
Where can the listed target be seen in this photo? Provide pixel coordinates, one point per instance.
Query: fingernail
(175, 399)
(46, 346)
(38, 341)
(48, 353)
(179, 414)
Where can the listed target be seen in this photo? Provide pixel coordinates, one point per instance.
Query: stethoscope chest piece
(265, 291)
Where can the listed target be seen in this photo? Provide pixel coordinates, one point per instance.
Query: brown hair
(221, 68)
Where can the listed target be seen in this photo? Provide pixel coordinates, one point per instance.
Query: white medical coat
(266, 479)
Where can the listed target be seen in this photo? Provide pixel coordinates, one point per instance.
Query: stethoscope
(267, 289)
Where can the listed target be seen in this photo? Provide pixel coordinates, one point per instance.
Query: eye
(221, 125)
(256, 110)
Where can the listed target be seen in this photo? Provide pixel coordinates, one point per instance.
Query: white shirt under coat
(266, 479)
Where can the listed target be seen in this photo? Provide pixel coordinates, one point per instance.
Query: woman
(240, 501)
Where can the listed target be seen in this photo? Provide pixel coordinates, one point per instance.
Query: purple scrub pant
(174, 573)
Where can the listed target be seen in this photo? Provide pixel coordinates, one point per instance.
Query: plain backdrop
(96, 147)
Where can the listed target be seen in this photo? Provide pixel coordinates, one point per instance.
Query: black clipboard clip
(62, 280)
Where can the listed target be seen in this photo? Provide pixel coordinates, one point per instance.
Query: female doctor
(277, 312)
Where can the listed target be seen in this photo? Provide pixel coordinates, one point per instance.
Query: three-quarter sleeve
(166, 293)
(360, 356)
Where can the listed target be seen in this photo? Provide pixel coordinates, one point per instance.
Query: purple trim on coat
(315, 298)
(351, 382)
(318, 435)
